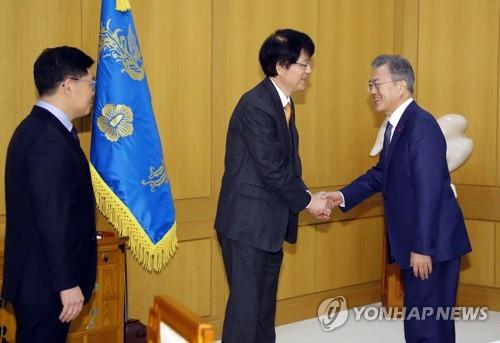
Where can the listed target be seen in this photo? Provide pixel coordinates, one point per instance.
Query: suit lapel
(50, 119)
(398, 132)
(280, 112)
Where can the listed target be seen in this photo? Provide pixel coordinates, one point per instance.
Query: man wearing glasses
(262, 191)
(50, 241)
(426, 233)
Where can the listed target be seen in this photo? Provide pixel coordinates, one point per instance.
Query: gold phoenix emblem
(124, 50)
(116, 121)
(157, 177)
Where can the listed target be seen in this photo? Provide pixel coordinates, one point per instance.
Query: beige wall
(201, 55)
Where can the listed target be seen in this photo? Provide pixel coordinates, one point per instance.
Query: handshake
(322, 204)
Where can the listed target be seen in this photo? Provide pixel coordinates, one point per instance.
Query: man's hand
(334, 199)
(319, 206)
(421, 264)
(72, 301)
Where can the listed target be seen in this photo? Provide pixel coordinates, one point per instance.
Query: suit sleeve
(48, 166)
(259, 130)
(363, 187)
(429, 170)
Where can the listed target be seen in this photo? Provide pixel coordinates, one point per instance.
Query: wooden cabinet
(102, 318)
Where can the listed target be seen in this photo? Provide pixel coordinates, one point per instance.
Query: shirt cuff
(310, 201)
(343, 199)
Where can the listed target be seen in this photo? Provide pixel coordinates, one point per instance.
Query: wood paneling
(300, 308)
(479, 202)
(176, 51)
(26, 29)
(498, 99)
(348, 253)
(497, 255)
(335, 144)
(478, 266)
(458, 73)
(187, 278)
(469, 295)
(297, 270)
(406, 29)
(2, 230)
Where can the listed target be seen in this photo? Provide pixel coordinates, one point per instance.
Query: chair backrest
(172, 322)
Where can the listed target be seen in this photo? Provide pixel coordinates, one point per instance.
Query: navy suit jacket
(262, 191)
(50, 242)
(421, 212)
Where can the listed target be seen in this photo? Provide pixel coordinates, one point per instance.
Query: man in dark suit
(262, 191)
(50, 243)
(426, 233)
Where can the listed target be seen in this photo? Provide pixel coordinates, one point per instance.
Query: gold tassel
(150, 256)
(122, 5)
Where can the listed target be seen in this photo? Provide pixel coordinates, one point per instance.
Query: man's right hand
(72, 301)
(334, 198)
(319, 206)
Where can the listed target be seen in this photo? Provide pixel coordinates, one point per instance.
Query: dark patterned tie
(387, 138)
(74, 133)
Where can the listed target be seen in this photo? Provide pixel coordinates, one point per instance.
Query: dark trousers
(440, 290)
(39, 324)
(252, 275)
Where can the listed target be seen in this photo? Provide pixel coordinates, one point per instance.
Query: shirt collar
(56, 112)
(284, 99)
(395, 116)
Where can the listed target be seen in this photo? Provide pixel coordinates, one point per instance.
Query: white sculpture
(459, 147)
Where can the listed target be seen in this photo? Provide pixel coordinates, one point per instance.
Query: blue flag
(128, 171)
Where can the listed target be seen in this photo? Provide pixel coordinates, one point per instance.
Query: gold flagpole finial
(122, 5)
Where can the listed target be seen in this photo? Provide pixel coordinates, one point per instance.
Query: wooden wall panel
(297, 270)
(478, 266)
(2, 230)
(458, 73)
(497, 255)
(498, 100)
(26, 28)
(187, 278)
(348, 253)
(176, 47)
(337, 143)
(406, 29)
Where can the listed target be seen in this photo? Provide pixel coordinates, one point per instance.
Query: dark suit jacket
(262, 191)
(50, 242)
(421, 212)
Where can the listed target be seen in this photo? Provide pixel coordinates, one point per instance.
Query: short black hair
(284, 47)
(399, 67)
(54, 65)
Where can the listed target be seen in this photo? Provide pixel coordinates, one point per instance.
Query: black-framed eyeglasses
(304, 65)
(92, 83)
(377, 85)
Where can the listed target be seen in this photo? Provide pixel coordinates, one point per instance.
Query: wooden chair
(171, 322)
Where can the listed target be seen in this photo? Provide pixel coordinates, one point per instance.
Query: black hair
(54, 65)
(284, 47)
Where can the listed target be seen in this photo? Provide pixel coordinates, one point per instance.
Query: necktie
(288, 112)
(387, 137)
(74, 133)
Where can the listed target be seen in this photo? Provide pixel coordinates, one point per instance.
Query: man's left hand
(421, 264)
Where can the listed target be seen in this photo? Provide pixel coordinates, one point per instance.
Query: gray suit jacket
(262, 191)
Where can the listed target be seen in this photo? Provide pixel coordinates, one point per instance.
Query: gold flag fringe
(122, 5)
(150, 256)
